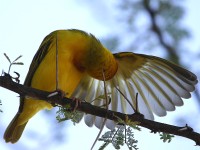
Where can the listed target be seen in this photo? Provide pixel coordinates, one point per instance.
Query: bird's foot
(77, 102)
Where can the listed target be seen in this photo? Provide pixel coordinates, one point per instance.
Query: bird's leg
(77, 102)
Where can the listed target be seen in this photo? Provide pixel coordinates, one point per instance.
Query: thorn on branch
(186, 128)
(58, 94)
(154, 131)
(16, 78)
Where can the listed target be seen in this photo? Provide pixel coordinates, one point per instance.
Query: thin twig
(155, 27)
(104, 121)
(136, 101)
(126, 99)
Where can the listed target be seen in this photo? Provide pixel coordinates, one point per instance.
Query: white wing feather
(160, 88)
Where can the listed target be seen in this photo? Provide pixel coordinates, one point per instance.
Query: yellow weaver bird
(81, 57)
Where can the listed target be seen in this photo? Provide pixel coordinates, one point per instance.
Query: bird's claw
(77, 102)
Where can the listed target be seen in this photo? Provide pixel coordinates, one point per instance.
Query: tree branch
(155, 27)
(6, 82)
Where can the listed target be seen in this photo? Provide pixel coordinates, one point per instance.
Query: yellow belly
(45, 79)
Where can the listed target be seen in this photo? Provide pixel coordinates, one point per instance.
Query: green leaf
(166, 137)
(17, 58)
(18, 63)
(64, 114)
(7, 57)
(118, 137)
(104, 145)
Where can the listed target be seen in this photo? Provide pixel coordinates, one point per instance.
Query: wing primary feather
(141, 100)
(180, 90)
(91, 91)
(114, 95)
(181, 71)
(126, 69)
(128, 101)
(166, 99)
(122, 90)
(184, 74)
(130, 93)
(183, 82)
(153, 100)
(172, 92)
(98, 96)
(89, 120)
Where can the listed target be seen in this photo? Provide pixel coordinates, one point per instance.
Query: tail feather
(14, 131)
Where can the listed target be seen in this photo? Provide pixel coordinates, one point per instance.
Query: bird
(76, 62)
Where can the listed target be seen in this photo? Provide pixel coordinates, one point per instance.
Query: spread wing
(160, 85)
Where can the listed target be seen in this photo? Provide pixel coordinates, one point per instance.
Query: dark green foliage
(118, 137)
(155, 26)
(166, 137)
(64, 114)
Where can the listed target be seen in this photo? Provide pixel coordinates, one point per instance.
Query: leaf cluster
(118, 137)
